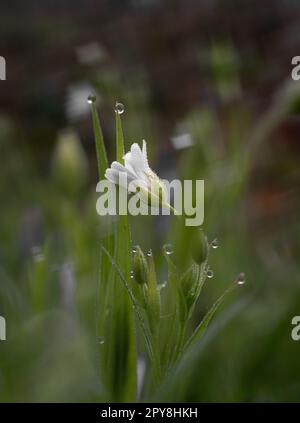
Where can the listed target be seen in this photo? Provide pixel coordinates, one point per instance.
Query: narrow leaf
(199, 331)
(124, 318)
(120, 139)
(100, 146)
(134, 303)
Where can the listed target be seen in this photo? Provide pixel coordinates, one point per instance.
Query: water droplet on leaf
(132, 274)
(119, 108)
(209, 273)
(215, 244)
(149, 254)
(134, 249)
(241, 279)
(168, 249)
(101, 340)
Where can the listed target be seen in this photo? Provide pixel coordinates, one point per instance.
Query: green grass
(77, 324)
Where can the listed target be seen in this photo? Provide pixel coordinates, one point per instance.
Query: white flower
(137, 177)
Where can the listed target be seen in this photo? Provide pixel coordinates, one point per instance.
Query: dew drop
(241, 279)
(101, 340)
(131, 274)
(215, 244)
(134, 249)
(149, 254)
(119, 108)
(168, 249)
(209, 273)
(91, 99)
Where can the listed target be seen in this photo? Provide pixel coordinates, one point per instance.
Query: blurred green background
(208, 85)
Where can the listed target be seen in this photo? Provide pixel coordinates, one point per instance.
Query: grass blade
(100, 146)
(135, 305)
(105, 291)
(199, 331)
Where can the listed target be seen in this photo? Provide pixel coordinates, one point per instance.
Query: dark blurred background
(170, 49)
(170, 56)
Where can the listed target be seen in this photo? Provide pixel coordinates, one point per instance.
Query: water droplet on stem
(168, 249)
(209, 273)
(241, 279)
(215, 244)
(119, 108)
(91, 99)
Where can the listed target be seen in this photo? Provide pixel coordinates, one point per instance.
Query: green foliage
(119, 353)
(70, 304)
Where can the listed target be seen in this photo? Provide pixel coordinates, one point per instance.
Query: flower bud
(199, 246)
(140, 266)
(70, 165)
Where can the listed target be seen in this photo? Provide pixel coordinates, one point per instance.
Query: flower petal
(137, 183)
(136, 160)
(123, 169)
(112, 176)
(144, 151)
(118, 174)
(127, 161)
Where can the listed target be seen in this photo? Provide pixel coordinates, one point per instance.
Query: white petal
(127, 161)
(117, 178)
(137, 183)
(123, 169)
(138, 161)
(137, 155)
(144, 151)
(112, 176)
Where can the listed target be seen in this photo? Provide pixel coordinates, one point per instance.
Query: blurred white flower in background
(76, 105)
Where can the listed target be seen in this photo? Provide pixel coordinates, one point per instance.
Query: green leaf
(135, 305)
(181, 313)
(199, 331)
(153, 297)
(174, 283)
(124, 360)
(38, 281)
(120, 139)
(194, 294)
(100, 146)
(106, 292)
